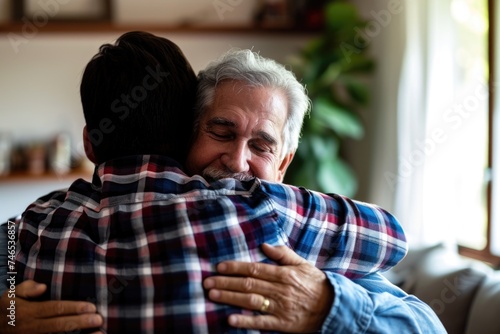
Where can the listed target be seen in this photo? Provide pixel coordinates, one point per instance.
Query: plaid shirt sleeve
(336, 233)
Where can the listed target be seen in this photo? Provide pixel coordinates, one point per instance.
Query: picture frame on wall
(62, 11)
(274, 13)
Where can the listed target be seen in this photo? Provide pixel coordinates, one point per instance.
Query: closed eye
(221, 136)
(264, 143)
(220, 129)
(260, 148)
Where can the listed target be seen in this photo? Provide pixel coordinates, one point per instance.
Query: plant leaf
(336, 176)
(331, 74)
(313, 47)
(358, 63)
(342, 121)
(302, 173)
(358, 91)
(322, 146)
(339, 15)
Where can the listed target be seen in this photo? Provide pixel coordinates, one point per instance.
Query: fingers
(262, 322)
(241, 284)
(264, 271)
(250, 302)
(295, 296)
(282, 254)
(69, 324)
(30, 289)
(51, 316)
(247, 293)
(59, 308)
(247, 301)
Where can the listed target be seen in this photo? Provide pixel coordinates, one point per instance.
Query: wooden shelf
(27, 177)
(107, 27)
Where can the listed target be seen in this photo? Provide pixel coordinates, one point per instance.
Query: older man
(254, 138)
(250, 111)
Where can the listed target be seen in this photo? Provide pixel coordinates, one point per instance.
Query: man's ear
(284, 166)
(87, 145)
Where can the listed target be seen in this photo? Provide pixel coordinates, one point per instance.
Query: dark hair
(137, 97)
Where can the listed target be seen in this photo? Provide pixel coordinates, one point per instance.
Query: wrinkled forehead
(251, 106)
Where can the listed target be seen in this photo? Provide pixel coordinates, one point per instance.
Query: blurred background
(402, 97)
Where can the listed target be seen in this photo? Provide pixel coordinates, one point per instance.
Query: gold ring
(265, 305)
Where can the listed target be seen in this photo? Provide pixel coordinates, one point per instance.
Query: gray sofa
(465, 294)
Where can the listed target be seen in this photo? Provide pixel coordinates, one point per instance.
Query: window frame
(486, 254)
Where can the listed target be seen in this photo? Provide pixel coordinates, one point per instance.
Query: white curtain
(426, 91)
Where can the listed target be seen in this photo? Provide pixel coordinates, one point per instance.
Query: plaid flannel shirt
(139, 240)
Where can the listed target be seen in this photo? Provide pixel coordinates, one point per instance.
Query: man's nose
(236, 158)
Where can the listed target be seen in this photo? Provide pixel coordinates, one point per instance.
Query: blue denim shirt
(374, 305)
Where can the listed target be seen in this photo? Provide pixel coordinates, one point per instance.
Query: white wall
(376, 153)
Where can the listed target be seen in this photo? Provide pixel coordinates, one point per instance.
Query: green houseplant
(333, 68)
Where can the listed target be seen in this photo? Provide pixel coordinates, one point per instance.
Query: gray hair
(257, 71)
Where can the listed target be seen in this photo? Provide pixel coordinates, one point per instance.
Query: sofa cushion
(447, 283)
(484, 314)
(401, 274)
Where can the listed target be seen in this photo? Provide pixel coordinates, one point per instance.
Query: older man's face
(241, 134)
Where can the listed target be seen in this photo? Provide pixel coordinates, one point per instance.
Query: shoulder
(54, 196)
(289, 196)
(291, 191)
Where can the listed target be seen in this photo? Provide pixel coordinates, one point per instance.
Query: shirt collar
(131, 169)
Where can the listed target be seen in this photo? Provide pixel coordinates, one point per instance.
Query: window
(478, 231)
(447, 187)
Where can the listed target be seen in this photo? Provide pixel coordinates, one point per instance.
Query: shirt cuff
(351, 308)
